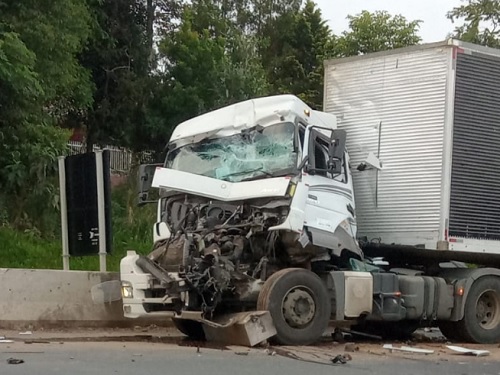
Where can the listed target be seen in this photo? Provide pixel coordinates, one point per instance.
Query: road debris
(466, 351)
(296, 354)
(339, 359)
(4, 341)
(407, 349)
(14, 361)
(37, 342)
(241, 353)
(351, 347)
(270, 352)
(342, 359)
(26, 333)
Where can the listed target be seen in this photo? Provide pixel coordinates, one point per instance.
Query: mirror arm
(303, 163)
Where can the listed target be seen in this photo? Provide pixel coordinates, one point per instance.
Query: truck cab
(246, 191)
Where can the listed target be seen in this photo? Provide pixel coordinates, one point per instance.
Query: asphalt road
(78, 358)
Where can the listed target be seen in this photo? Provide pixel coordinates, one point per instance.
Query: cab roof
(261, 111)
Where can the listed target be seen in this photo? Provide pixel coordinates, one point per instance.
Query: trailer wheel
(299, 305)
(481, 322)
(191, 328)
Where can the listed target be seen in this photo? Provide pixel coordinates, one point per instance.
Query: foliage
(117, 58)
(40, 82)
(481, 22)
(372, 32)
(209, 63)
(29, 160)
(131, 230)
(54, 33)
(297, 47)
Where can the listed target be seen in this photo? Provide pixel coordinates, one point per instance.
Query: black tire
(450, 330)
(191, 328)
(481, 322)
(299, 305)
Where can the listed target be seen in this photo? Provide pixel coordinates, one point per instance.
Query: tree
(117, 56)
(20, 87)
(372, 32)
(40, 83)
(481, 22)
(293, 46)
(55, 32)
(209, 63)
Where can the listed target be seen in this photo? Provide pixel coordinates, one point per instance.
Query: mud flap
(246, 328)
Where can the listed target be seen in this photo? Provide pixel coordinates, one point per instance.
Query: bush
(132, 230)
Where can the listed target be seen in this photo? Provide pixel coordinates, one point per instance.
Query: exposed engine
(222, 248)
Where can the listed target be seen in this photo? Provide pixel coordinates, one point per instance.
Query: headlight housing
(127, 290)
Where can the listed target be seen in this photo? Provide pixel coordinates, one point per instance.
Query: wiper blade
(239, 173)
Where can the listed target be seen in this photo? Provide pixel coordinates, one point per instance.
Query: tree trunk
(150, 12)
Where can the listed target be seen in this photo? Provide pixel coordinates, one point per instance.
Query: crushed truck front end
(237, 204)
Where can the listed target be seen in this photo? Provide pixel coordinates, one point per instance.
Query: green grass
(132, 230)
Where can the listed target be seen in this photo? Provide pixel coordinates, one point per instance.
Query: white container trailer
(431, 114)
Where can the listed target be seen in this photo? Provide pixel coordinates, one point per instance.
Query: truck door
(330, 207)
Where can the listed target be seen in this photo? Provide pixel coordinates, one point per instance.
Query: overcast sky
(435, 25)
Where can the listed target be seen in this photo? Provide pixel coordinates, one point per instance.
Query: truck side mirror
(336, 151)
(145, 179)
(337, 144)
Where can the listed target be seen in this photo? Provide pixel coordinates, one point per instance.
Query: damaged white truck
(262, 209)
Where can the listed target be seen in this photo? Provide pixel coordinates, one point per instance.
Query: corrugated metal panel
(475, 179)
(405, 93)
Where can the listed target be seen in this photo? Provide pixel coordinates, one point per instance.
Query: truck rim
(298, 307)
(488, 309)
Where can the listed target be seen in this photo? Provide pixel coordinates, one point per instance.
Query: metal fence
(121, 159)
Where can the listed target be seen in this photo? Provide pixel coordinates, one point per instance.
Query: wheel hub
(298, 307)
(488, 310)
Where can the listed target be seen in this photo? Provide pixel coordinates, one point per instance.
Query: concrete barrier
(50, 298)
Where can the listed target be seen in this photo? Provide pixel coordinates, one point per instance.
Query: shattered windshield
(253, 153)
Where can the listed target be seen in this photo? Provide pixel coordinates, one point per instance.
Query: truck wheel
(299, 305)
(481, 322)
(191, 328)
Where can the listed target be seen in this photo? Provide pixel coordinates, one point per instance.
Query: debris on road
(26, 333)
(466, 351)
(270, 352)
(305, 356)
(4, 341)
(241, 353)
(408, 349)
(37, 342)
(339, 359)
(342, 359)
(351, 347)
(14, 361)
